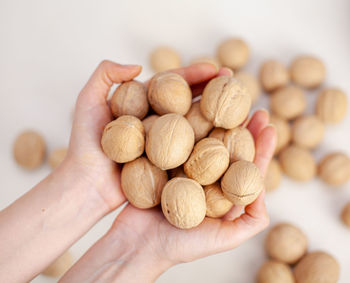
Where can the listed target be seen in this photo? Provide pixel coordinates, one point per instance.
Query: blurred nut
(334, 169)
(275, 272)
(273, 75)
(57, 156)
(165, 58)
(283, 131)
(331, 106)
(251, 83)
(233, 53)
(308, 131)
(273, 176)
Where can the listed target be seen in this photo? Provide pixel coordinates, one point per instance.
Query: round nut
(242, 182)
(307, 71)
(148, 122)
(218, 133)
(208, 161)
(170, 141)
(251, 83)
(317, 267)
(334, 169)
(169, 93)
(240, 144)
(345, 215)
(60, 266)
(200, 125)
(57, 156)
(273, 75)
(177, 172)
(233, 53)
(207, 59)
(275, 272)
(288, 102)
(130, 98)
(183, 203)
(273, 176)
(283, 131)
(123, 139)
(142, 183)
(217, 204)
(165, 58)
(225, 102)
(286, 243)
(298, 163)
(29, 150)
(331, 106)
(308, 131)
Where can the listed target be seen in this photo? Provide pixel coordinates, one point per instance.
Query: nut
(288, 102)
(233, 53)
(283, 131)
(334, 169)
(183, 203)
(208, 161)
(275, 272)
(169, 93)
(142, 183)
(123, 139)
(273, 176)
(331, 106)
(207, 59)
(218, 133)
(57, 156)
(308, 131)
(317, 267)
(60, 266)
(170, 141)
(177, 172)
(217, 204)
(298, 163)
(29, 150)
(242, 182)
(148, 122)
(251, 83)
(200, 125)
(345, 215)
(286, 243)
(273, 75)
(225, 102)
(307, 71)
(165, 58)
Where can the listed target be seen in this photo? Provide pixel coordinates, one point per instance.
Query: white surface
(48, 49)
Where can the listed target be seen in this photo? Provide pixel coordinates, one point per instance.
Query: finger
(258, 122)
(233, 213)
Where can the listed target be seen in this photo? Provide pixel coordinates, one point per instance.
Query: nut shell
(233, 53)
(60, 266)
(148, 122)
(217, 204)
(177, 172)
(331, 106)
(251, 83)
(165, 58)
(273, 75)
(334, 169)
(57, 156)
(273, 176)
(275, 272)
(218, 133)
(345, 215)
(307, 131)
(283, 130)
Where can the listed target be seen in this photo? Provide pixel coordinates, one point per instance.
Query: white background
(48, 49)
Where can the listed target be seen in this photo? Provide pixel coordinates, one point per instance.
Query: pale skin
(47, 220)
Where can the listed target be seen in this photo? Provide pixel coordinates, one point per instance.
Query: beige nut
(60, 266)
(251, 83)
(273, 75)
(307, 71)
(275, 272)
(298, 163)
(317, 267)
(345, 214)
(288, 102)
(307, 131)
(273, 176)
(331, 106)
(164, 58)
(169, 93)
(207, 59)
(29, 150)
(242, 182)
(283, 131)
(200, 125)
(170, 141)
(148, 122)
(217, 204)
(218, 133)
(123, 139)
(233, 53)
(177, 172)
(208, 161)
(142, 183)
(183, 203)
(57, 157)
(225, 102)
(286, 243)
(334, 169)
(240, 144)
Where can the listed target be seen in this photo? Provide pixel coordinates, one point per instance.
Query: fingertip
(224, 71)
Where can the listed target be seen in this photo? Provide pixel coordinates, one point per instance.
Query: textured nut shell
(123, 139)
(345, 215)
(331, 106)
(283, 130)
(288, 102)
(307, 71)
(29, 150)
(164, 58)
(130, 98)
(275, 272)
(200, 125)
(242, 182)
(298, 163)
(273, 75)
(148, 122)
(170, 141)
(251, 83)
(177, 172)
(240, 144)
(286, 243)
(218, 133)
(233, 53)
(273, 176)
(334, 169)
(317, 267)
(208, 161)
(225, 102)
(142, 183)
(60, 266)
(169, 93)
(57, 156)
(217, 204)
(183, 203)
(207, 59)
(307, 131)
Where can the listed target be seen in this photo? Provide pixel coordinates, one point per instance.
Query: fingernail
(229, 70)
(265, 110)
(132, 66)
(271, 125)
